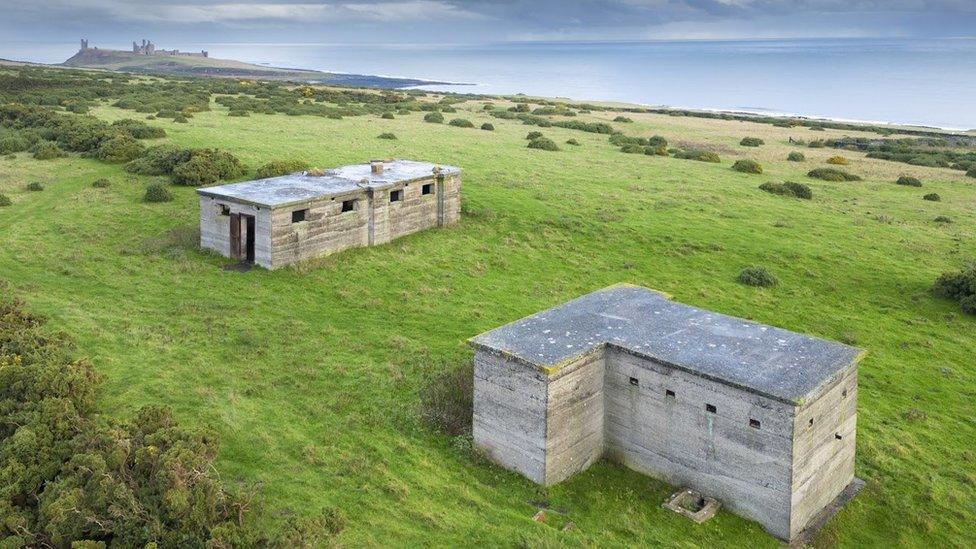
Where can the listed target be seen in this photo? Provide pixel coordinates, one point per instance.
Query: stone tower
(84, 44)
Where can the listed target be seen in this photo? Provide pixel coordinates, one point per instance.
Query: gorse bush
(387, 116)
(751, 142)
(10, 145)
(623, 119)
(461, 123)
(832, 174)
(543, 143)
(932, 197)
(533, 135)
(35, 186)
(796, 156)
(573, 142)
(589, 127)
(5, 200)
(943, 219)
(959, 286)
(281, 167)
(121, 148)
(48, 151)
(206, 167)
(157, 193)
(699, 155)
(838, 161)
(788, 188)
(434, 117)
(909, 181)
(159, 160)
(488, 127)
(747, 166)
(757, 276)
(971, 172)
(101, 183)
(138, 129)
(387, 135)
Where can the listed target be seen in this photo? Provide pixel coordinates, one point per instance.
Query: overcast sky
(170, 22)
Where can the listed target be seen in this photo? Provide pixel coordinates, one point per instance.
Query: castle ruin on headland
(148, 48)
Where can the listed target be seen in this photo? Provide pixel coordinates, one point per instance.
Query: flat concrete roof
(299, 187)
(777, 363)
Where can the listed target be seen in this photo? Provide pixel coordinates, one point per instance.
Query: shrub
(543, 143)
(461, 123)
(971, 172)
(159, 160)
(5, 200)
(533, 135)
(943, 219)
(817, 144)
(280, 167)
(623, 119)
(788, 188)
(48, 151)
(959, 286)
(832, 174)
(206, 167)
(157, 193)
(631, 148)
(932, 197)
(35, 186)
(449, 110)
(838, 161)
(909, 181)
(573, 142)
(446, 400)
(180, 119)
(757, 276)
(434, 117)
(747, 166)
(10, 145)
(139, 129)
(387, 116)
(121, 148)
(589, 127)
(488, 127)
(387, 135)
(751, 142)
(101, 183)
(699, 155)
(796, 156)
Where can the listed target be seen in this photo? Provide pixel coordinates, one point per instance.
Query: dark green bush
(909, 181)
(751, 142)
(206, 167)
(832, 174)
(461, 123)
(180, 119)
(622, 119)
(796, 156)
(573, 142)
(157, 193)
(533, 135)
(77, 108)
(757, 276)
(5, 200)
(121, 148)
(101, 183)
(543, 143)
(387, 116)
(434, 117)
(747, 166)
(35, 186)
(788, 188)
(48, 151)
(959, 286)
(971, 172)
(589, 127)
(932, 197)
(943, 219)
(387, 135)
(281, 167)
(10, 145)
(159, 160)
(138, 129)
(631, 148)
(449, 110)
(488, 127)
(699, 155)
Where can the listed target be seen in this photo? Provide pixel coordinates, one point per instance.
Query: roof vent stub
(376, 166)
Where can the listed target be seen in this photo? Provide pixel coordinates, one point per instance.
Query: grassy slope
(311, 375)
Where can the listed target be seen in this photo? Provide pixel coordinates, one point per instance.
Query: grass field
(311, 374)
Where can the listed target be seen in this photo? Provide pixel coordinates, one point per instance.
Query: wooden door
(235, 236)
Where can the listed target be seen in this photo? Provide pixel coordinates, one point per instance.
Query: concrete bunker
(277, 221)
(717, 404)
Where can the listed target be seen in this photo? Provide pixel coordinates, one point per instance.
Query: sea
(926, 82)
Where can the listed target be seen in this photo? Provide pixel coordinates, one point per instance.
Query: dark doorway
(242, 238)
(249, 238)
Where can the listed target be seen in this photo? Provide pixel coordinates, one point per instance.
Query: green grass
(311, 374)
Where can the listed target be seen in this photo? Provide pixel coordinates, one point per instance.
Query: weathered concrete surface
(722, 412)
(430, 197)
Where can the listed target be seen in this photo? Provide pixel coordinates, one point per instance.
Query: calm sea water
(927, 82)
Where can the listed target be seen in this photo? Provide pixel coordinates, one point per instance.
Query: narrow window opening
(754, 423)
(634, 381)
(427, 189)
(298, 216)
(710, 408)
(669, 393)
(838, 437)
(811, 422)
(348, 205)
(395, 196)
(224, 209)
(844, 393)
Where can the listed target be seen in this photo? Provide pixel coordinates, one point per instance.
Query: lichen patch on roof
(300, 187)
(771, 361)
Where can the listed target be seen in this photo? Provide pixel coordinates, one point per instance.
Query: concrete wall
(677, 440)
(823, 464)
(575, 417)
(215, 228)
(326, 229)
